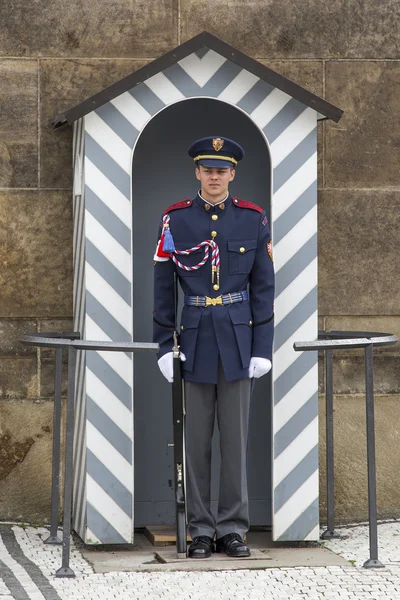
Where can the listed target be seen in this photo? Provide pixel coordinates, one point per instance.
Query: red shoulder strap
(184, 204)
(244, 204)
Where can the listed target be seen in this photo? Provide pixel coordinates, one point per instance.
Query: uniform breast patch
(264, 221)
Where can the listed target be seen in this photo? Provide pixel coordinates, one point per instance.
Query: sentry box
(130, 162)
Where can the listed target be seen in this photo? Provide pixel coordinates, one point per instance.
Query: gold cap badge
(217, 144)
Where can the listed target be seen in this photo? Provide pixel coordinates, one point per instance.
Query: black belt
(219, 300)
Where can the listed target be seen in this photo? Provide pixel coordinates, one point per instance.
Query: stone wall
(54, 54)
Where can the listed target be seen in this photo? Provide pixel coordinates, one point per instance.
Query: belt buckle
(213, 301)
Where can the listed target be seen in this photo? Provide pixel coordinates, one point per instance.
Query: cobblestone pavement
(27, 568)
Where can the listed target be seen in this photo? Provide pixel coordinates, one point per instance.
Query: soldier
(220, 249)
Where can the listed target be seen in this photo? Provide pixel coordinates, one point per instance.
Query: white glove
(259, 367)
(166, 365)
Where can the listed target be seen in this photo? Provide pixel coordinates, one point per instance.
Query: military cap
(216, 151)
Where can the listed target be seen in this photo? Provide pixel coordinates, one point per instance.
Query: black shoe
(201, 547)
(233, 545)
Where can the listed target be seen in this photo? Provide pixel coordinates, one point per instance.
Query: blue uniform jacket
(234, 332)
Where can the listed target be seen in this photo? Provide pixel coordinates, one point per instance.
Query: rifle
(178, 411)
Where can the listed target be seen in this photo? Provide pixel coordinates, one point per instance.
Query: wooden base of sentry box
(162, 535)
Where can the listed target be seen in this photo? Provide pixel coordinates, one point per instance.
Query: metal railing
(327, 342)
(59, 341)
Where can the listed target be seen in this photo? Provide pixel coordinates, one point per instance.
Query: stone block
(358, 252)
(19, 378)
(25, 466)
(48, 358)
(63, 84)
(310, 75)
(36, 253)
(18, 123)
(123, 28)
(310, 29)
(351, 495)
(11, 331)
(362, 149)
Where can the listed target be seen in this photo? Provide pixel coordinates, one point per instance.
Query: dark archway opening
(163, 174)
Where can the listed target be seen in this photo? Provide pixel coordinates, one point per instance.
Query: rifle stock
(179, 467)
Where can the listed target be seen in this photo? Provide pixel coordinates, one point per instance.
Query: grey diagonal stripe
(109, 220)
(295, 479)
(283, 119)
(202, 51)
(293, 320)
(105, 320)
(292, 429)
(109, 483)
(296, 371)
(304, 203)
(110, 378)
(33, 570)
(15, 588)
(255, 96)
(118, 123)
(109, 429)
(216, 84)
(102, 529)
(108, 272)
(107, 166)
(292, 163)
(303, 525)
(147, 98)
(296, 264)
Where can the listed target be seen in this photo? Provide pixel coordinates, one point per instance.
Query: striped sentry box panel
(111, 131)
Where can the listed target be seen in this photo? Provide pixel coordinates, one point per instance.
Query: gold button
(221, 206)
(214, 217)
(250, 322)
(207, 206)
(213, 234)
(242, 249)
(216, 287)
(182, 327)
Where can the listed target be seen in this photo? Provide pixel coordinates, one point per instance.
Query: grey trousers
(231, 402)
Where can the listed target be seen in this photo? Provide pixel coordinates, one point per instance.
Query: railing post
(55, 481)
(373, 525)
(65, 570)
(330, 532)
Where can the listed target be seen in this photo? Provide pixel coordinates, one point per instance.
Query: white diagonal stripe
(109, 456)
(130, 108)
(295, 239)
(313, 535)
(291, 137)
(109, 509)
(291, 403)
(30, 587)
(108, 246)
(238, 87)
(296, 291)
(297, 503)
(202, 69)
(109, 404)
(292, 189)
(121, 364)
(108, 193)
(286, 356)
(108, 298)
(162, 87)
(295, 452)
(269, 107)
(109, 141)
(94, 540)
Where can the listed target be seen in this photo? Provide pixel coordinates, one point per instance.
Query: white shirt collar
(210, 203)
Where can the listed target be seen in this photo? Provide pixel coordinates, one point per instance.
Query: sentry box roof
(198, 44)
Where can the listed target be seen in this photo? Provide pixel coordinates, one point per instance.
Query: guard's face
(215, 181)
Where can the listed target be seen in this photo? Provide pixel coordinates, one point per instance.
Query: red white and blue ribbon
(166, 250)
